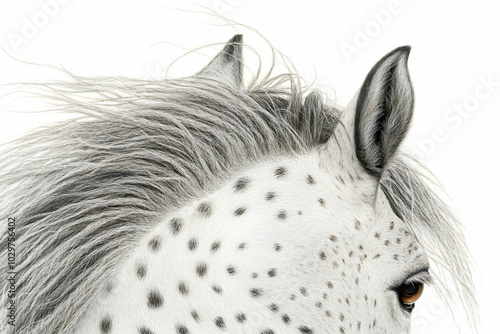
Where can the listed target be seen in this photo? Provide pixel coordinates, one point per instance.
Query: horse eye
(409, 293)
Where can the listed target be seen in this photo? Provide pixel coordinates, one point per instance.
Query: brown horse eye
(410, 292)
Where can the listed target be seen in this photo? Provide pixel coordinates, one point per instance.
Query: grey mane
(84, 192)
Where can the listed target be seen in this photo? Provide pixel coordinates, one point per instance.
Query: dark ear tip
(399, 53)
(404, 51)
(232, 50)
(238, 38)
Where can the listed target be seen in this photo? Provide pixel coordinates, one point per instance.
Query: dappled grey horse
(201, 205)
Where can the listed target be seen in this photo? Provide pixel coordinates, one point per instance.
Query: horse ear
(227, 65)
(383, 111)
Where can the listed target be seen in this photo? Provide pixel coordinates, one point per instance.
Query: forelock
(412, 198)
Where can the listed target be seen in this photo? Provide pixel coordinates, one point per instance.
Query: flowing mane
(83, 192)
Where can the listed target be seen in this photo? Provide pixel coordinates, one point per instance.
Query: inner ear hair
(383, 111)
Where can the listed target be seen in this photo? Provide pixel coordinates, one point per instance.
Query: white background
(334, 43)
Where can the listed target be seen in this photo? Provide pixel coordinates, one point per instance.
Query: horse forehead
(290, 201)
(300, 184)
(295, 202)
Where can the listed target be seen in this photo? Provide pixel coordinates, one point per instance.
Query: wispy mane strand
(436, 229)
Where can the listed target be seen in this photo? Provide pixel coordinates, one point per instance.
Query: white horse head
(199, 206)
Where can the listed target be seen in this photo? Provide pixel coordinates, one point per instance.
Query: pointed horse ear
(383, 111)
(227, 65)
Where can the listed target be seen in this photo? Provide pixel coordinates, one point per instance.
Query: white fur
(328, 254)
(298, 264)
